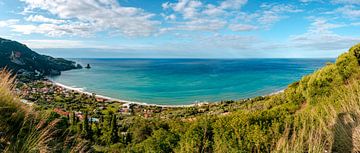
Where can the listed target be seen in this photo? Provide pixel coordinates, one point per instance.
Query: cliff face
(19, 58)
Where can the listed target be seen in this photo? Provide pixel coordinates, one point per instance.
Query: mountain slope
(19, 58)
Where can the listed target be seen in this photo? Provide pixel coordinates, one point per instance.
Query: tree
(114, 130)
(86, 130)
(161, 141)
(109, 129)
(96, 131)
(198, 138)
(67, 120)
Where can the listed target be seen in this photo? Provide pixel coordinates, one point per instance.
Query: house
(79, 115)
(26, 102)
(98, 99)
(93, 119)
(61, 112)
(148, 113)
(126, 105)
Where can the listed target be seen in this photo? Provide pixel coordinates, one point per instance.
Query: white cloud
(100, 15)
(88, 17)
(25, 29)
(42, 19)
(7, 23)
(355, 24)
(165, 5)
(48, 43)
(348, 11)
(202, 24)
(308, 1)
(189, 9)
(213, 11)
(53, 30)
(169, 17)
(321, 26)
(274, 12)
(321, 37)
(242, 27)
(346, 1)
(195, 15)
(232, 4)
(192, 16)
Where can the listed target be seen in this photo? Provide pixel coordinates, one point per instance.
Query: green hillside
(21, 59)
(319, 113)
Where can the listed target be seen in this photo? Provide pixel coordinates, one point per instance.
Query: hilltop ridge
(27, 63)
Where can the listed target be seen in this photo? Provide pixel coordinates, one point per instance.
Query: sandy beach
(80, 90)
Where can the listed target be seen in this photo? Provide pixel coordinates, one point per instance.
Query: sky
(183, 28)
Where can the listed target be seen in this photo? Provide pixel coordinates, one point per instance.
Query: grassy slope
(318, 113)
(24, 130)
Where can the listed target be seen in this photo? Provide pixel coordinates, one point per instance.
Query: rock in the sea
(88, 66)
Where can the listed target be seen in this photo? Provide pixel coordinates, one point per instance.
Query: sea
(187, 81)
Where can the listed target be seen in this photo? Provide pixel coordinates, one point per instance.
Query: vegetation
(24, 130)
(319, 113)
(29, 64)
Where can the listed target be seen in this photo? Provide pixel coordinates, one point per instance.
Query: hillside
(21, 59)
(319, 113)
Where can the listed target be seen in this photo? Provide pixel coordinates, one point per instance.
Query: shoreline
(80, 90)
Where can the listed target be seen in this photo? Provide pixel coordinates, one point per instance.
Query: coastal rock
(78, 66)
(88, 66)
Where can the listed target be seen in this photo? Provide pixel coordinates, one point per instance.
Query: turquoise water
(186, 81)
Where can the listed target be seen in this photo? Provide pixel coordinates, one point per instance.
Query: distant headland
(29, 65)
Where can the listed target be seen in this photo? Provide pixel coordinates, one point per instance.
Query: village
(49, 96)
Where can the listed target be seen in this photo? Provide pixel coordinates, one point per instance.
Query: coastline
(80, 90)
(276, 92)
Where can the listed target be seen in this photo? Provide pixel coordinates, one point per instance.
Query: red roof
(61, 112)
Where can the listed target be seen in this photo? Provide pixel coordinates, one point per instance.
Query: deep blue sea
(186, 81)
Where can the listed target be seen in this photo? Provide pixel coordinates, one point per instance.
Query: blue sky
(183, 28)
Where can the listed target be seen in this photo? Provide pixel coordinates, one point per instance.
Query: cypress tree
(73, 121)
(86, 131)
(79, 128)
(67, 120)
(97, 130)
(105, 129)
(114, 130)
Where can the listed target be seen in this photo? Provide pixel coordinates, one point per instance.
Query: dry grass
(331, 126)
(8, 101)
(22, 130)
